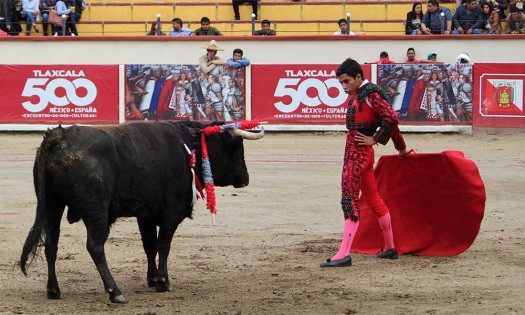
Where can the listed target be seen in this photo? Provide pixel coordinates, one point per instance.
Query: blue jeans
(474, 31)
(45, 17)
(30, 20)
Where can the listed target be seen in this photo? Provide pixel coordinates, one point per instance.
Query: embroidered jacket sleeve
(388, 121)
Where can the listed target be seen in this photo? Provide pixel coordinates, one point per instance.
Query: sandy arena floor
(263, 256)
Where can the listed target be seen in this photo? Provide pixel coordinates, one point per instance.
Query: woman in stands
(490, 18)
(31, 10)
(413, 22)
(153, 30)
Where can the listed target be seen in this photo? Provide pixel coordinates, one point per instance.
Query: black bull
(135, 170)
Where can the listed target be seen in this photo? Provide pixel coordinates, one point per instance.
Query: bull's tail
(36, 238)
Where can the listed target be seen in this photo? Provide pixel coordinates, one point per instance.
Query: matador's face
(350, 84)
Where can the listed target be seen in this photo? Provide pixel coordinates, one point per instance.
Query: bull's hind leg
(148, 232)
(97, 235)
(51, 248)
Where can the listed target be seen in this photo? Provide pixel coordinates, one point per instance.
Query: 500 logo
(45, 90)
(298, 93)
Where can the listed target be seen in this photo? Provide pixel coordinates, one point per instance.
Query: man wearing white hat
(210, 60)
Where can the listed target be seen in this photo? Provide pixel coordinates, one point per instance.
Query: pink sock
(386, 226)
(348, 237)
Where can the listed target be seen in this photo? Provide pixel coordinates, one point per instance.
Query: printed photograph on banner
(299, 93)
(183, 92)
(55, 94)
(501, 95)
(429, 92)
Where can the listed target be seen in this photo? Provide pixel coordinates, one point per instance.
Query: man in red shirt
(384, 59)
(411, 56)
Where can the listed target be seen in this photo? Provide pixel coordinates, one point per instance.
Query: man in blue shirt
(179, 30)
(436, 18)
(468, 18)
(238, 60)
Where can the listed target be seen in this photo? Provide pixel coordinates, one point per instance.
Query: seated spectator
(490, 19)
(500, 6)
(206, 29)
(343, 28)
(155, 31)
(518, 4)
(236, 3)
(179, 30)
(76, 6)
(8, 18)
(30, 8)
(238, 60)
(433, 22)
(468, 18)
(71, 28)
(411, 56)
(210, 60)
(45, 6)
(515, 23)
(414, 17)
(265, 29)
(18, 17)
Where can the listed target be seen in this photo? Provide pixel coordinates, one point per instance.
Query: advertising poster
(59, 94)
(429, 93)
(299, 94)
(183, 92)
(499, 95)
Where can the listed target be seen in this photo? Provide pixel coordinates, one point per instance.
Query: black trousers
(236, 7)
(16, 28)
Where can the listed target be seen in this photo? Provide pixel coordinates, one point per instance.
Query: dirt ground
(263, 255)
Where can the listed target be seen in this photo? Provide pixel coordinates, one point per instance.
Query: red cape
(436, 203)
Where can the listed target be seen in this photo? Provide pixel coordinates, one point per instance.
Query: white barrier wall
(267, 50)
(262, 51)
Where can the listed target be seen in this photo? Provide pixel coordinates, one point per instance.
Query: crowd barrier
(37, 96)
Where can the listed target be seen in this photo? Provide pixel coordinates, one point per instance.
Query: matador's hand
(403, 153)
(361, 139)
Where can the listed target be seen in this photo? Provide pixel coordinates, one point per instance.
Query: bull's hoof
(53, 294)
(151, 282)
(118, 299)
(162, 285)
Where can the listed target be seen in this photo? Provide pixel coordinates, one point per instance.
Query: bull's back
(128, 169)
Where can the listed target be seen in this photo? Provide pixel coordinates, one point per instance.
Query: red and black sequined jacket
(370, 113)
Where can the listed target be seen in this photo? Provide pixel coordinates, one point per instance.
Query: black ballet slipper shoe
(343, 262)
(388, 254)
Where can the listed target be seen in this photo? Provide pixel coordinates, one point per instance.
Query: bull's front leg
(163, 247)
(148, 233)
(97, 235)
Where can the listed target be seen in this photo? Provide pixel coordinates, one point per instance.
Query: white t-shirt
(339, 33)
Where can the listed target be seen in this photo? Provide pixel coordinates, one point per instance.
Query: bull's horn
(247, 135)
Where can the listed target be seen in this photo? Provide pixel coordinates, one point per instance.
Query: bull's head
(227, 158)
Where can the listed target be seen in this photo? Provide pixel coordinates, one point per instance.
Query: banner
(59, 94)
(183, 92)
(499, 95)
(429, 93)
(299, 94)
